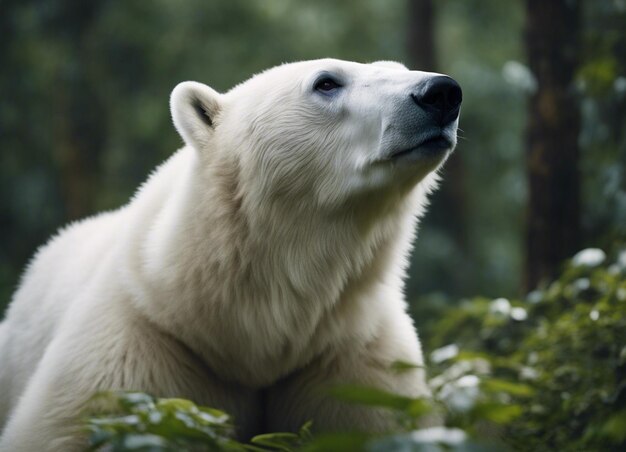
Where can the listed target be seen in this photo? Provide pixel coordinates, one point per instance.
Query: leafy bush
(566, 344)
(544, 373)
(140, 422)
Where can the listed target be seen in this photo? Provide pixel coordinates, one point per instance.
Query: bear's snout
(440, 97)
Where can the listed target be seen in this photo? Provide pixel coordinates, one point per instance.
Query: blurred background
(538, 174)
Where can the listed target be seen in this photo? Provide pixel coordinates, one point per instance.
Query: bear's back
(54, 278)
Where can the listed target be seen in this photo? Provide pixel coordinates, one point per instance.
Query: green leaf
(516, 389)
(615, 427)
(403, 366)
(338, 442)
(371, 396)
(280, 441)
(418, 408)
(176, 404)
(252, 448)
(498, 413)
(305, 431)
(144, 442)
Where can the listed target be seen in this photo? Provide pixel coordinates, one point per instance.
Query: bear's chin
(433, 149)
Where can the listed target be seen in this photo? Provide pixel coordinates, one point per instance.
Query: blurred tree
(421, 42)
(84, 91)
(602, 80)
(84, 118)
(78, 119)
(449, 203)
(474, 40)
(553, 222)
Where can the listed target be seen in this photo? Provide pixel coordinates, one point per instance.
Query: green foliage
(544, 373)
(558, 358)
(137, 421)
(92, 83)
(602, 84)
(379, 398)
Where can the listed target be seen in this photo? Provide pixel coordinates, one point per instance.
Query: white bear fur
(261, 263)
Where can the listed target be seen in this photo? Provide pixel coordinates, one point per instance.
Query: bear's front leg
(96, 353)
(303, 396)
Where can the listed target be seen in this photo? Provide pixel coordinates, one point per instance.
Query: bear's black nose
(440, 96)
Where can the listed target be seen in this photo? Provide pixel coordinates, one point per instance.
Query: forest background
(539, 173)
(84, 117)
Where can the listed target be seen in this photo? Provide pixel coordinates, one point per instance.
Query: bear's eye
(326, 85)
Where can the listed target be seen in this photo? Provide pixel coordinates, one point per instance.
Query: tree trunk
(553, 218)
(79, 126)
(421, 35)
(449, 202)
(79, 119)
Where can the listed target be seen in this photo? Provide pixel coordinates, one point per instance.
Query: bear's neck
(236, 285)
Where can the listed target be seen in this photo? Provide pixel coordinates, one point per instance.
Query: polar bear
(260, 264)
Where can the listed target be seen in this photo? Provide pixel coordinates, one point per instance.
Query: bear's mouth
(430, 147)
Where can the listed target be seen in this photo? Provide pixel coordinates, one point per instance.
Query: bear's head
(324, 133)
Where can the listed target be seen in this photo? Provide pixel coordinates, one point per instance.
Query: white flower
(614, 269)
(582, 284)
(155, 417)
(468, 381)
(594, 315)
(519, 314)
(461, 395)
(520, 76)
(457, 370)
(590, 257)
(444, 353)
(144, 441)
(534, 297)
(501, 307)
(528, 373)
(448, 436)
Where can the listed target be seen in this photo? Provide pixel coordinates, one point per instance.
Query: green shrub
(544, 373)
(566, 343)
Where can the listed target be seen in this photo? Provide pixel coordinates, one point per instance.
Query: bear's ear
(194, 109)
(391, 65)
